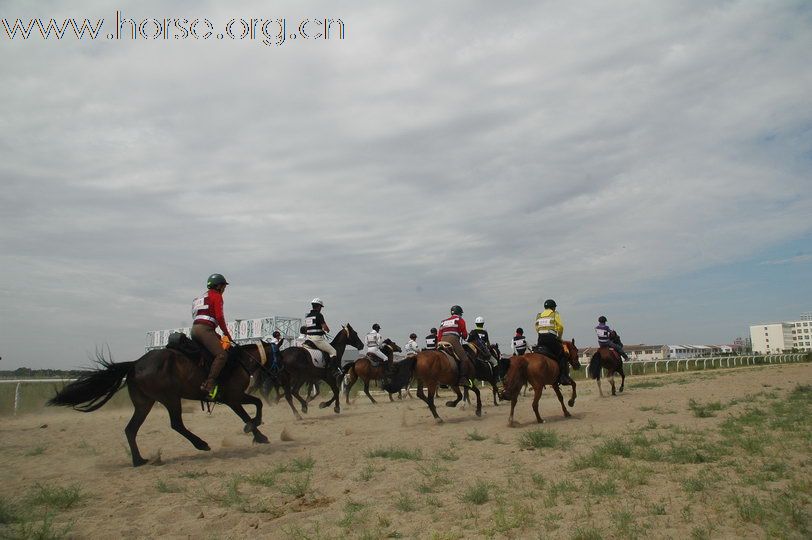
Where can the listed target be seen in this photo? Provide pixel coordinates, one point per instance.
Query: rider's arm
(463, 330)
(559, 325)
(217, 311)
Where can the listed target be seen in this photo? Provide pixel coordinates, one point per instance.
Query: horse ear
(573, 341)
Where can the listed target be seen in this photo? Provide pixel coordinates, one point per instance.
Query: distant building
(772, 338)
(635, 352)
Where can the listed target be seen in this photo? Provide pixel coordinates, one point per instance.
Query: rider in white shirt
(412, 348)
(374, 340)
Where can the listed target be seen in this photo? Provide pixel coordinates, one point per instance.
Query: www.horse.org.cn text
(268, 31)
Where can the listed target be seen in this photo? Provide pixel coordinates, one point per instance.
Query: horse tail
(94, 388)
(403, 374)
(516, 377)
(595, 366)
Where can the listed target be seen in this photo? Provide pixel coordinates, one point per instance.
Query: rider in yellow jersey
(550, 329)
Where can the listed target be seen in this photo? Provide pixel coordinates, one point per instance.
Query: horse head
(352, 337)
(394, 346)
(571, 351)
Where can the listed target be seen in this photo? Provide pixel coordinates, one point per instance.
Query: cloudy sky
(650, 161)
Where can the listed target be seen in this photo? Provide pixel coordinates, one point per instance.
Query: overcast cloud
(633, 159)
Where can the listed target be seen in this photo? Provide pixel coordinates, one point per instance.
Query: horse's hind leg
(176, 421)
(612, 382)
(478, 400)
(143, 405)
(257, 419)
(561, 400)
(366, 391)
(536, 398)
(289, 399)
(456, 401)
(349, 380)
(245, 417)
(495, 401)
(622, 379)
(512, 407)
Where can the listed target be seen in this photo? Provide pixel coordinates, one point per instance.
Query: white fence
(20, 382)
(669, 365)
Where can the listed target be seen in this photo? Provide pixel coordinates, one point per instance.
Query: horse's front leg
(475, 390)
(456, 401)
(560, 396)
(571, 402)
(512, 408)
(245, 417)
(622, 379)
(257, 420)
(612, 382)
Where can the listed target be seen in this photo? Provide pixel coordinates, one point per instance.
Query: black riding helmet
(376, 327)
(433, 331)
(215, 280)
(550, 304)
(602, 319)
(412, 336)
(456, 310)
(520, 331)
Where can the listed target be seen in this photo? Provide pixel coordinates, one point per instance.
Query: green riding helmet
(550, 304)
(215, 280)
(456, 310)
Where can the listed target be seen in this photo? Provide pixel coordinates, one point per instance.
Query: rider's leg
(208, 337)
(460, 353)
(619, 350)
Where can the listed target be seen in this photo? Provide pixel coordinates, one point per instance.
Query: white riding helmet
(318, 301)
(480, 320)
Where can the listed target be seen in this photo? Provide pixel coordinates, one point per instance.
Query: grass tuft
(478, 493)
(475, 435)
(538, 438)
(395, 452)
(60, 498)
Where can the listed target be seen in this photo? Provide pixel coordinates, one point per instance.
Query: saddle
(317, 356)
(374, 361)
(180, 342)
(611, 352)
(545, 351)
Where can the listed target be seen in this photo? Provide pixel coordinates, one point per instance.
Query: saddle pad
(316, 356)
(374, 360)
(546, 352)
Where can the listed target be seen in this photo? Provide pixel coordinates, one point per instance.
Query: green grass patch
(395, 452)
(8, 512)
(298, 485)
(477, 493)
(301, 464)
(538, 438)
(705, 410)
(475, 435)
(36, 451)
(354, 515)
(601, 488)
(405, 502)
(61, 498)
(587, 533)
(163, 487)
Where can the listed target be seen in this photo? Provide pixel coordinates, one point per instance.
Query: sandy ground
(240, 489)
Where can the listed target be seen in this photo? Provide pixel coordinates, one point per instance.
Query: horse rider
(315, 329)
(519, 344)
(276, 345)
(479, 333)
(550, 329)
(301, 338)
(605, 338)
(451, 330)
(374, 341)
(411, 348)
(431, 340)
(207, 316)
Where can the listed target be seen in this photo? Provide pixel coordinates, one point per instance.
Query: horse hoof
(567, 415)
(439, 420)
(479, 412)
(204, 447)
(336, 410)
(140, 461)
(322, 405)
(247, 428)
(571, 403)
(450, 404)
(261, 439)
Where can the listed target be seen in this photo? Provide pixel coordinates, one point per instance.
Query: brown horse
(611, 361)
(433, 368)
(539, 370)
(364, 370)
(167, 376)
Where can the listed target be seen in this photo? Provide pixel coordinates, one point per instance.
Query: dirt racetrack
(716, 454)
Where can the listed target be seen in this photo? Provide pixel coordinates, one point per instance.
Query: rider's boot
(564, 377)
(209, 386)
(336, 367)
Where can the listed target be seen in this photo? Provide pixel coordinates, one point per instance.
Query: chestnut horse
(433, 368)
(167, 376)
(610, 360)
(539, 370)
(364, 370)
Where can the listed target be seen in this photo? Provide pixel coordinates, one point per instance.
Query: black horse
(167, 376)
(297, 369)
(484, 370)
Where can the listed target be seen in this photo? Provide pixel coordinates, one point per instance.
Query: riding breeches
(207, 337)
(377, 352)
(454, 340)
(323, 345)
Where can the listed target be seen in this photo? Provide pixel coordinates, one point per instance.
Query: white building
(772, 338)
(801, 332)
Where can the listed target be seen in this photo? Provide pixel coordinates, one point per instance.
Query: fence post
(16, 399)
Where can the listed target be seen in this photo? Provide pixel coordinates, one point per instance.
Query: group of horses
(168, 375)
